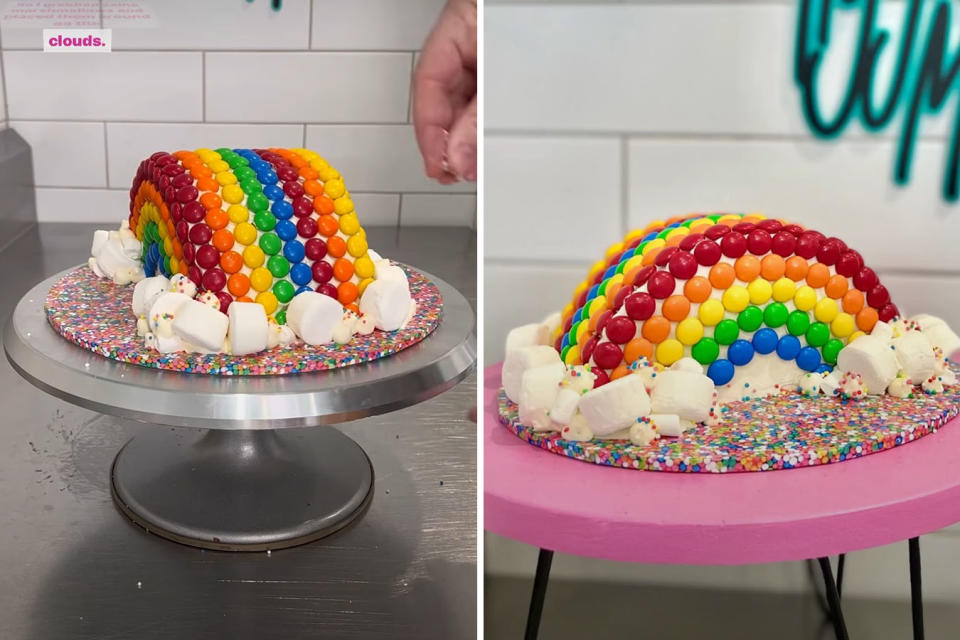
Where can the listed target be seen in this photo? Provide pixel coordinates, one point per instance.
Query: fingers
(462, 145)
(472, 414)
(433, 109)
(443, 83)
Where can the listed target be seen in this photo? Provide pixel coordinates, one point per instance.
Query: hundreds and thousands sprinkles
(721, 289)
(783, 431)
(252, 225)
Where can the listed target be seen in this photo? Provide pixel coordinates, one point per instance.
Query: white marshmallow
(686, 394)
(100, 238)
(667, 424)
(312, 316)
(527, 335)
(390, 272)
(687, 364)
(517, 362)
(538, 393)
(565, 405)
(163, 311)
(871, 357)
(388, 301)
(549, 327)
(374, 256)
(112, 260)
(247, 331)
(882, 330)
(577, 430)
(201, 325)
(939, 333)
(169, 344)
(615, 405)
(915, 355)
(145, 293)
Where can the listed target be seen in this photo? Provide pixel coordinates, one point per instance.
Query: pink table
(585, 509)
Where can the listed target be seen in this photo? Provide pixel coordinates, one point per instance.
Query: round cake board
(782, 431)
(95, 314)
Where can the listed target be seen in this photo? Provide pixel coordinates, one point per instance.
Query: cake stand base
(242, 490)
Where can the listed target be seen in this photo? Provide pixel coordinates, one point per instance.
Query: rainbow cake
(238, 250)
(685, 317)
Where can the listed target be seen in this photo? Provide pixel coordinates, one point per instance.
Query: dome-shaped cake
(722, 289)
(257, 225)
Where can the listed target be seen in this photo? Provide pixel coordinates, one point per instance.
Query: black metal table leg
(544, 560)
(833, 600)
(916, 593)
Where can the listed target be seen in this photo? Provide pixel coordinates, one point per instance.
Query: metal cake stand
(241, 482)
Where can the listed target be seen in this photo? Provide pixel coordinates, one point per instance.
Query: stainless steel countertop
(73, 567)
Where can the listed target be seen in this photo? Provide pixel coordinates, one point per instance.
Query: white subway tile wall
(424, 209)
(604, 116)
(334, 76)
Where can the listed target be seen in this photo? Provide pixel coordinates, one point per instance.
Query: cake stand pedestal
(242, 482)
(717, 519)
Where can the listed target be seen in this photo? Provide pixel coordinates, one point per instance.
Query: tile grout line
(106, 157)
(203, 86)
(224, 122)
(3, 85)
(624, 186)
(413, 56)
(310, 25)
(254, 51)
(399, 210)
(684, 136)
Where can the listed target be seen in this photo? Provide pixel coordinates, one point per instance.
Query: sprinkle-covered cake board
(784, 431)
(95, 314)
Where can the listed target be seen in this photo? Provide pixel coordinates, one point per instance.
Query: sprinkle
(95, 314)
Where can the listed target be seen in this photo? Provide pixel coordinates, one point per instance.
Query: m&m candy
(723, 289)
(274, 221)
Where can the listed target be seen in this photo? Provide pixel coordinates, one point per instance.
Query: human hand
(445, 95)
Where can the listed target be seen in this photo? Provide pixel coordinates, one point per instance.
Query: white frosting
(642, 434)
(182, 284)
(809, 384)
(900, 387)
(932, 385)
(852, 387)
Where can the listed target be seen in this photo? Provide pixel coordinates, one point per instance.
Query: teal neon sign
(925, 77)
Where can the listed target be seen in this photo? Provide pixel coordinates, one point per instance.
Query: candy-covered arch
(257, 225)
(721, 289)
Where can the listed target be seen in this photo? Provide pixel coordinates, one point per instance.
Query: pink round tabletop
(575, 507)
